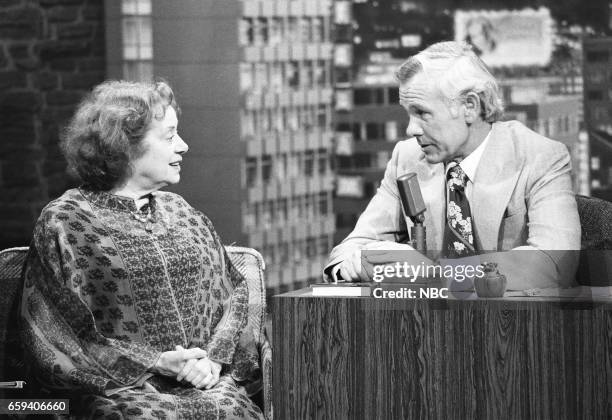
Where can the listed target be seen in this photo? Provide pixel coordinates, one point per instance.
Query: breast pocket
(513, 229)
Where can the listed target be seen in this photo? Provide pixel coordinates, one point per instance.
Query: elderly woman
(131, 306)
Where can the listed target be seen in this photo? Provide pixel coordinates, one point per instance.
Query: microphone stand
(414, 207)
(417, 233)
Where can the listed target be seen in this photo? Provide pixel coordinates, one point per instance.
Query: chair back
(596, 220)
(11, 264)
(595, 266)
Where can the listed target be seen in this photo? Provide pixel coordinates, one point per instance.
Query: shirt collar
(470, 163)
(107, 200)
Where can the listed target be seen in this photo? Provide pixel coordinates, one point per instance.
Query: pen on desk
(12, 384)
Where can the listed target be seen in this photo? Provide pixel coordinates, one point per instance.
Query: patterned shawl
(108, 288)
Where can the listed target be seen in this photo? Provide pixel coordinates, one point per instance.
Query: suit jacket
(522, 200)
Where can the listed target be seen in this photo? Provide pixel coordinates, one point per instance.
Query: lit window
(248, 217)
(391, 130)
(275, 33)
(246, 77)
(342, 12)
(136, 7)
(137, 38)
(246, 32)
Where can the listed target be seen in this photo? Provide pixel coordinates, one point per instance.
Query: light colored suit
(521, 198)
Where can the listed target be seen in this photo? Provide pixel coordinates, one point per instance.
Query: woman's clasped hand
(189, 365)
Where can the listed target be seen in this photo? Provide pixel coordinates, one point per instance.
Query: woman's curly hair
(108, 127)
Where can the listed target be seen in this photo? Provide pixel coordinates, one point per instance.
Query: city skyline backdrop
(289, 107)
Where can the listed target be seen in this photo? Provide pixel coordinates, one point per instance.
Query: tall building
(366, 132)
(598, 112)
(253, 79)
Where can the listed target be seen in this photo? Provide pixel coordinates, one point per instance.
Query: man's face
(437, 123)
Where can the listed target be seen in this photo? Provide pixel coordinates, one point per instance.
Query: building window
(362, 97)
(266, 168)
(318, 30)
(250, 172)
(292, 74)
(248, 217)
(323, 163)
(276, 31)
(282, 210)
(391, 130)
(137, 38)
(246, 32)
(344, 162)
(370, 189)
(311, 247)
(597, 56)
(321, 73)
(358, 133)
(595, 95)
(393, 94)
(382, 158)
(323, 117)
(280, 166)
(362, 160)
(323, 204)
(346, 220)
(378, 96)
(246, 77)
(373, 131)
(267, 214)
(324, 246)
(309, 163)
(595, 76)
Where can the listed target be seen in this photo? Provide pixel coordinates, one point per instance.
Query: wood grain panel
(363, 358)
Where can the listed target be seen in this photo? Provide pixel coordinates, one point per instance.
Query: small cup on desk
(492, 284)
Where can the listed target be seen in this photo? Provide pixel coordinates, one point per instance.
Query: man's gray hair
(457, 71)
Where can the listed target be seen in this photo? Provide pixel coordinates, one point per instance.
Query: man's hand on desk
(356, 268)
(350, 269)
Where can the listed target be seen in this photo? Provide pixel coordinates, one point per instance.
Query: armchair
(247, 260)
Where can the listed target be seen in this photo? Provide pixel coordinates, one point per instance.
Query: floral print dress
(109, 287)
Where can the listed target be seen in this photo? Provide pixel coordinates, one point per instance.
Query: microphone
(414, 207)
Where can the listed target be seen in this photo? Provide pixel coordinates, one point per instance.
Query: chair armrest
(266, 372)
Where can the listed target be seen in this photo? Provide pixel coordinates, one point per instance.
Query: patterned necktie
(458, 238)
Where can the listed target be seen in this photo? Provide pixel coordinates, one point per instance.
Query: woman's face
(159, 161)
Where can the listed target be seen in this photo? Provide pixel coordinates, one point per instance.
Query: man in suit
(490, 187)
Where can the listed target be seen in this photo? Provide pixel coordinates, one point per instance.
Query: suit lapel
(494, 183)
(431, 180)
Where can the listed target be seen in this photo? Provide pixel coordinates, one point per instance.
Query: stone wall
(51, 53)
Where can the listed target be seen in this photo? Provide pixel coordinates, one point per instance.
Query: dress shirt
(470, 164)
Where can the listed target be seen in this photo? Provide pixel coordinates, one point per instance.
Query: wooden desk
(516, 358)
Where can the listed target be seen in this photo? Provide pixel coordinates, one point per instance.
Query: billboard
(507, 37)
